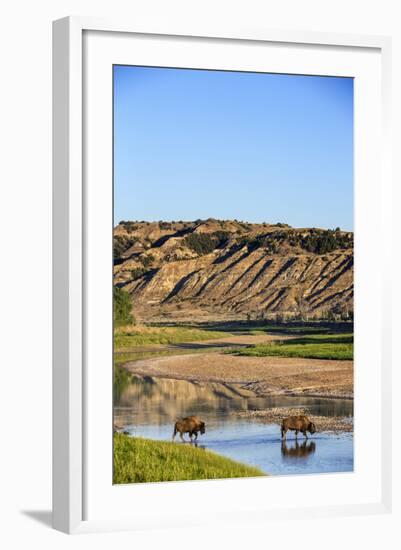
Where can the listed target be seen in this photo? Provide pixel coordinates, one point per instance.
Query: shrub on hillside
(201, 243)
(165, 225)
(205, 243)
(326, 241)
(220, 238)
(137, 273)
(317, 241)
(121, 244)
(147, 260)
(122, 307)
(129, 226)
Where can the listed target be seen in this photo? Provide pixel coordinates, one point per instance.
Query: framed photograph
(219, 317)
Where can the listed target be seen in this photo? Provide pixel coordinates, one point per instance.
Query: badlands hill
(225, 269)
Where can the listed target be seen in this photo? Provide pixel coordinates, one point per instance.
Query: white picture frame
(75, 214)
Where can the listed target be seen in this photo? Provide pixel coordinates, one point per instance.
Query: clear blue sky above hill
(192, 144)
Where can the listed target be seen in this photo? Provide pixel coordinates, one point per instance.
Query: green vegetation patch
(122, 308)
(121, 244)
(122, 379)
(299, 330)
(137, 273)
(142, 336)
(317, 241)
(205, 243)
(200, 243)
(318, 346)
(138, 460)
(327, 241)
(129, 226)
(283, 329)
(147, 260)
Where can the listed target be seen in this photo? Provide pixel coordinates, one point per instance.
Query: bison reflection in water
(298, 451)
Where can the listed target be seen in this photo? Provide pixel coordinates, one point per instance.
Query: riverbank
(324, 424)
(190, 339)
(315, 346)
(138, 460)
(262, 376)
(134, 336)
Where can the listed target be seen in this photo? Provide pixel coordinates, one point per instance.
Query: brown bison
(300, 423)
(190, 425)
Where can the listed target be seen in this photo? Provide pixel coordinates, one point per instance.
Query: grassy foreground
(138, 460)
(319, 346)
(131, 336)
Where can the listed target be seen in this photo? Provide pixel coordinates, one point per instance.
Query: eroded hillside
(214, 270)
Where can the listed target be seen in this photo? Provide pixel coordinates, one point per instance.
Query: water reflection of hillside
(147, 400)
(157, 400)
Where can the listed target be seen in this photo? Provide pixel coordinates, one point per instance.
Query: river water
(148, 407)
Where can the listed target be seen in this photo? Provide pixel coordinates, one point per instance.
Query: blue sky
(257, 147)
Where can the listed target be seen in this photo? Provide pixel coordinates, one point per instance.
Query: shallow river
(148, 407)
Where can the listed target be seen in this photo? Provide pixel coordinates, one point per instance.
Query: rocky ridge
(227, 269)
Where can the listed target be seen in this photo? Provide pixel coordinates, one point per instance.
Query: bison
(300, 423)
(190, 425)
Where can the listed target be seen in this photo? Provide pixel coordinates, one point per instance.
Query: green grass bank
(138, 460)
(132, 336)
(318, 346)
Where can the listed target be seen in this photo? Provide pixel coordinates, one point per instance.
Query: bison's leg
(305, 434)
(296, 434)
(182, 437)
(283, 433)
(196, 436)
(174, 433)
